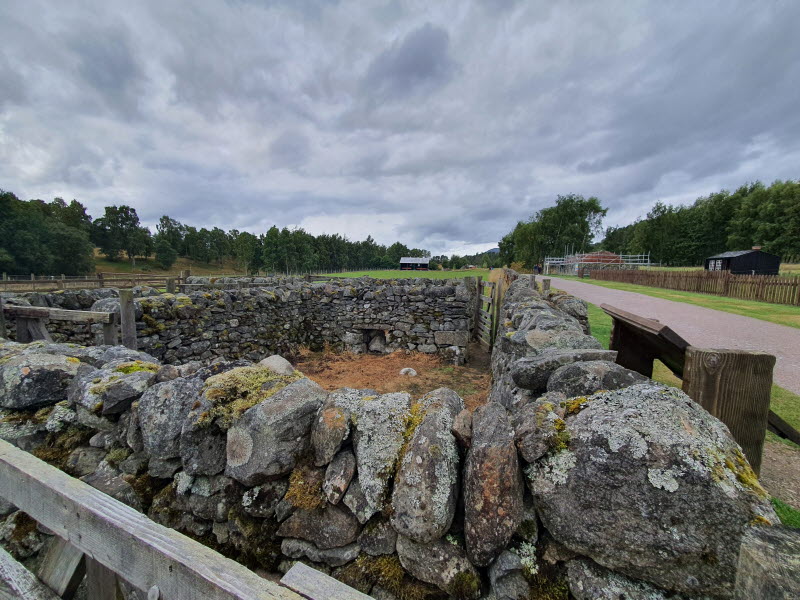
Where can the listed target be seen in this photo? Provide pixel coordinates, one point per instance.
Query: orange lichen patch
(382, 373)
(25, 370)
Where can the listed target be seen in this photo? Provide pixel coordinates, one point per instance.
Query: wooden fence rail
(31, 321)
(764, 288)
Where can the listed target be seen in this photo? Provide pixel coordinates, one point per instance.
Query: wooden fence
(101, 539)
(764, 288)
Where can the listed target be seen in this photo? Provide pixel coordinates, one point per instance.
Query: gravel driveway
(704, 327)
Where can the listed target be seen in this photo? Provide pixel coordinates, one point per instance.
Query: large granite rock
(162, 411)
(269, 438)
(653, 487)
(539, 427)
(588, 377)
(426, 486)
(442, 564)
(29, 381)
(493, 486)
(112, 389)
(379, 424)
(769, 563)
(532, 373)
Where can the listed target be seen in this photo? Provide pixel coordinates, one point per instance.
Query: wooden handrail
(142, 552)
(58, 314)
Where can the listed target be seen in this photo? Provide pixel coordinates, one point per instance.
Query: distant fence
(764, 288)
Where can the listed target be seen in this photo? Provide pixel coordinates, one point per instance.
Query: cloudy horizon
(439, 125)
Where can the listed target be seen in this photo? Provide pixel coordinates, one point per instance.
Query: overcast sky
(439, 124)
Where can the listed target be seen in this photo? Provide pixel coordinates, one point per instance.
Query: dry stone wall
(362, 315)
(579, 478)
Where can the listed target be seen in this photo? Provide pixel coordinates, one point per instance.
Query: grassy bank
(150, 267)
(779, 314)
(398, 274)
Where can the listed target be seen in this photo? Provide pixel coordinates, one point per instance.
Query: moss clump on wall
(305, 488)
(575, 405)
(464, 586)
(387, 572)
(239, 389)
(137, 366)
(117, 455)
(58, 446)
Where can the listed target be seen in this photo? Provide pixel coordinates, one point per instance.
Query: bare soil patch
(780, 472)
(382, 373)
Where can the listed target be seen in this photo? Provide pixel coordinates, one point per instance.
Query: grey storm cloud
(441, 124)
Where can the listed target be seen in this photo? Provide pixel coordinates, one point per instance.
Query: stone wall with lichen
(578, 480)
(361, 315)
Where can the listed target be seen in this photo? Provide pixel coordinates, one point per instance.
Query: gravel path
(705, 327)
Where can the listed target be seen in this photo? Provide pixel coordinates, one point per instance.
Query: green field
(781, 314)
(398, 274)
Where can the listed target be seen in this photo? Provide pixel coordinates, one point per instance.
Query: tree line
(753, 215)
(59, 238)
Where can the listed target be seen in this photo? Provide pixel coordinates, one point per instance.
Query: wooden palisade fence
(764, 288)
(101, 280)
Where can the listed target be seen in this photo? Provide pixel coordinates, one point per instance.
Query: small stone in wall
(408, 371)
(277, 364)
(338, 476)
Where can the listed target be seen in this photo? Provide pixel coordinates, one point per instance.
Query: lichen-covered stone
(331, 428)
(493, 487)
(442, 564)
(378, 538)
(769, 563)
(262, 500)
(507, 579)
(539, 427)
(277, 364)
(110, 482)
(162, 411)
(112, 389)
(653, 487)
(202, 448)
(589, 581)
(83, 461)
(354, 500)
(334, 557)
(331, 527)
(29, 381)
(338, 476)
(426, 486)
(379, 424)
(270, 437)
(588, 377)
(462, 428)
(532, 373)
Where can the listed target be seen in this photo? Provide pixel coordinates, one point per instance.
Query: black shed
(414, 263)
(745, 262)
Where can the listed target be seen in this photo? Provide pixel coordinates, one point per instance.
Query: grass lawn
(781, 314)
(398, 274)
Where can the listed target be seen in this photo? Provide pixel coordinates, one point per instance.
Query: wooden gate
(486, 312)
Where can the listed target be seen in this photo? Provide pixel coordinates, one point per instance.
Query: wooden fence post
(111, 331)
(33, 277)
(170, 286)
(62, 568)
(31, 329)
(545, 285)
(101, 582)
(127, 316)
(735, 387)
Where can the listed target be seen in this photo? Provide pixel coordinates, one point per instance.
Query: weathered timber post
(545, 285)
(111, 331)
(533, 282)
(127, 316)
(767, 567)
(3, 331)
(29, 330)
(170, 286)
(33, 277)
(734, 386)
(101, 582)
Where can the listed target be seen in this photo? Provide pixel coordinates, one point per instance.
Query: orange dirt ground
(382, 373)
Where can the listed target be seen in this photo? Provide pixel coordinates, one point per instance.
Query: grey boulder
(507, 578)
(588, 377)
(162, 411)
(330, 527)
(29, 381)
(493, 486)
(338, 476)
(532, 373)
(440, 563)
(653, 487)
(270, 438)
(426, 486)
(334, 557)
(331, 428)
